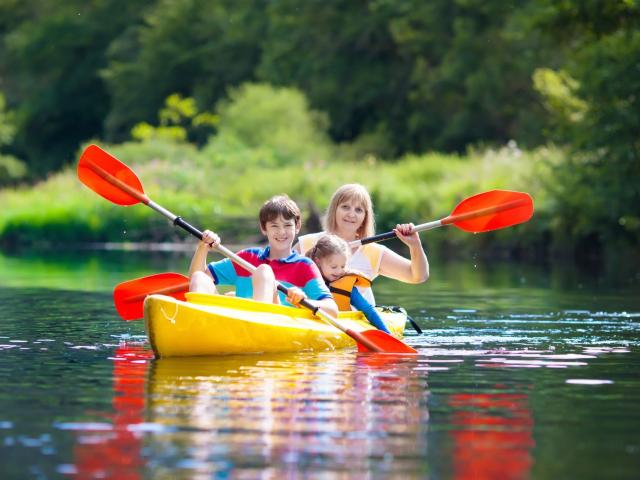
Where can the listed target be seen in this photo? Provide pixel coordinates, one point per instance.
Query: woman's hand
(407, 235)
(295, 295)
(210, 239)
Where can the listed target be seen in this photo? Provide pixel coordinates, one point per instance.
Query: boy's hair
(279, 205)
(351, 192)
(329, 245)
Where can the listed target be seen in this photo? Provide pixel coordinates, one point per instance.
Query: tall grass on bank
(268, 141)
(227, 196)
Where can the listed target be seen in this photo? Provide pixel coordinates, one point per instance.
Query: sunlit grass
(225, 197)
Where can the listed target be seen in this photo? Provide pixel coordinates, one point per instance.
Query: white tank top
(366, 260)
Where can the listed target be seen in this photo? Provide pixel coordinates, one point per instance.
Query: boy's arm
(199, 260)
(326, 304)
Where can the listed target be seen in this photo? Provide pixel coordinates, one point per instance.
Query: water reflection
(280, 416)
(113, 449)
(283, 414)
(492, 435)
(503, 359)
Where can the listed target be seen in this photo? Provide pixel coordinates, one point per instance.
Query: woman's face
(349, 218)
(332, 266)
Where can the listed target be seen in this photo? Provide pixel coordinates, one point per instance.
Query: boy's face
(280, 232)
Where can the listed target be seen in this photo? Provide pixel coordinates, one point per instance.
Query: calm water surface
(523, 373)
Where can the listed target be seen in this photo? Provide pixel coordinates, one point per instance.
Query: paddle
(482, 212)
(129, 296)
(113, 180)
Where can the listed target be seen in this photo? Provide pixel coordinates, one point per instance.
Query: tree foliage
(52, 54)
(197, 48)
(597, 114)
(393, 77)
(11, 169)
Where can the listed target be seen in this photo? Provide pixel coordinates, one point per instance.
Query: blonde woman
(350, 217)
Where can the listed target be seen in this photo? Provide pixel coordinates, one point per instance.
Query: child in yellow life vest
(331, 254)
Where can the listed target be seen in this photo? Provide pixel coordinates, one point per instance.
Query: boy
(280, 222)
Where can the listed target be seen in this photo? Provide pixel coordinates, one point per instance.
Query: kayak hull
(224, 325)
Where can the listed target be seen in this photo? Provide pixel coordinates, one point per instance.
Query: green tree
(53, 51)
(598, 195)
(431, 75)
(11, 169)
(180, 121)
(193, 47)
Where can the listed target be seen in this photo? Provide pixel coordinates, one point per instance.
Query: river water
(524, 371)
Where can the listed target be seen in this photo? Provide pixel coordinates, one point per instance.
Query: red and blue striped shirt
(292, 271)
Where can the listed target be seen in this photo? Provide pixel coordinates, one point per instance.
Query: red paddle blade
(491, 211)
(109, 177)
(129, 296)
(384, 343)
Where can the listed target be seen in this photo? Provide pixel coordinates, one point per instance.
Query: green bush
(12, 170)
(267, 126)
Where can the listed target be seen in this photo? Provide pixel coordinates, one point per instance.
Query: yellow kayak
(222, 325)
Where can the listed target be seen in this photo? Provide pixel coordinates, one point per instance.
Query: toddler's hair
(279, 205)
(329, 245)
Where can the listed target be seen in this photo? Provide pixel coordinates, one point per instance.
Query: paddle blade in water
(129, 296)
(491, 211)
(384, 342)
(109, 177)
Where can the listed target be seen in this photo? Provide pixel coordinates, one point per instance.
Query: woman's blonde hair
(329, 245)
(356, 193)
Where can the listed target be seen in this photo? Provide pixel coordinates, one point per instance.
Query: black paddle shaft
(180, 222)
(378, 238)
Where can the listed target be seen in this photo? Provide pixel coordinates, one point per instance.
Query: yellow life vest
(341, 289)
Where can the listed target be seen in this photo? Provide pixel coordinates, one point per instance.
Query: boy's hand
(405, 233)
(210, 239)
(295, 295)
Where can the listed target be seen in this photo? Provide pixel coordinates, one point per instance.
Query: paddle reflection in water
(113, 450)
(272, 416)
(492, 435)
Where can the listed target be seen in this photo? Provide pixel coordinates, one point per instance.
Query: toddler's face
(333, 266)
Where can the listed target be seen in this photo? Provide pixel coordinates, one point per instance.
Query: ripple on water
(484, 381)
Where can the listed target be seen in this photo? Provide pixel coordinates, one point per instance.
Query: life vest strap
(340, 291)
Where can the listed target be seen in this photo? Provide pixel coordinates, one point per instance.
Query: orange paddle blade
(129, 296)
(384, 343)
(109, 177)
(491, 211)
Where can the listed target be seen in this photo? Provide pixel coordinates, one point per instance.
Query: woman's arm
(415, 270)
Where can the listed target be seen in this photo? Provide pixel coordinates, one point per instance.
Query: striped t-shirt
(292, 271)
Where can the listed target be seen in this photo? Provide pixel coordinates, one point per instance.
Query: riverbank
(210, 192)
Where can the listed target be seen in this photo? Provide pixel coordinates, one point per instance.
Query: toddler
(331, 255)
